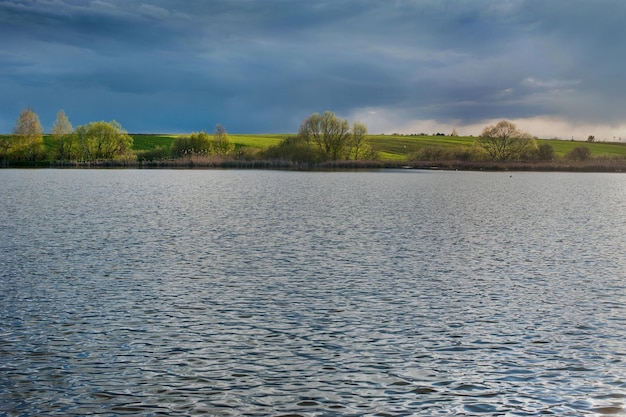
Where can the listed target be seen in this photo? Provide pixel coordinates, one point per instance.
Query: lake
(253, 293)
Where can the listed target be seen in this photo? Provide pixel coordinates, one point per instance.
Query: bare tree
(61, 125)
(504, 142)
(29, 136)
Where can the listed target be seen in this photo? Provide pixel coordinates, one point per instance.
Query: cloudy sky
(557, 68)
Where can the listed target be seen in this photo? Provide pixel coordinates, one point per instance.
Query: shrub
(199, 143)
(464, 153)
(157, 154)
(295, 149)
(431, 153)
(221, 144)
(98, 140)
(442, 153)
(545, 152)
(247, 154)
(580, 153)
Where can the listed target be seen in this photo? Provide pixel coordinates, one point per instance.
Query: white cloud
(550, 84)
(380, 120)
(102, 5)
(153, 11)
(554, 127)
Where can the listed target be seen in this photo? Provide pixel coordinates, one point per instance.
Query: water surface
(235, 293)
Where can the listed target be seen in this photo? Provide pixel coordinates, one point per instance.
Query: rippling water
(257, 293)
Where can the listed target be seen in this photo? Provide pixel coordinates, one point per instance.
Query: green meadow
(598, 149)
(390, 147)
(256, 141)
(148, 142)
(393, 149)
(396, 147)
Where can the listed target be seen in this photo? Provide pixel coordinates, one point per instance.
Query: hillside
(391, 147)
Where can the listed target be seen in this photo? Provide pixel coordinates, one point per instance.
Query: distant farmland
(390, 147)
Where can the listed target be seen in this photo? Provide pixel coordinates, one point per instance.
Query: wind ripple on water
(268, 311)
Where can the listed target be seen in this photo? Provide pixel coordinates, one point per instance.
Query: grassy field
(256, 141)
(151, 142)
(561, 147)
(390, 147)
(398, 147)
(146, 142)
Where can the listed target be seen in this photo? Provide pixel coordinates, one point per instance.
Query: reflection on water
(283, 293)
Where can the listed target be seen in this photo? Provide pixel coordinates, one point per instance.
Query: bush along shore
(199, 162)
(596, 165)
(324, 142)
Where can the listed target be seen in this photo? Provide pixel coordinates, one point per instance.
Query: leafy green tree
(359, 147)
(505, 142)
(329, 137)
(27, 143)
(328, 133)
(102, 140)
(221, 144)
(200, 143)
(5, 146)
(196, 144)
(61, 130)
(71, 148)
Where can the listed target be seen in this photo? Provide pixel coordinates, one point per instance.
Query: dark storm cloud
(258, 66)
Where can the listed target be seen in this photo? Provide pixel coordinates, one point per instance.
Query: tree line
(325, 137)
(320, 138)
(93, 141)
(502, 142)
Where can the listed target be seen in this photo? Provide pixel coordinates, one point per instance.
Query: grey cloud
(264, 65)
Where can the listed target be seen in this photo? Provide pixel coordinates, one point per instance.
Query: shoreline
(617, 166)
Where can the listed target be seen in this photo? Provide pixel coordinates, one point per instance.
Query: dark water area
(253, 293)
